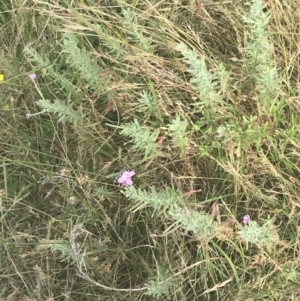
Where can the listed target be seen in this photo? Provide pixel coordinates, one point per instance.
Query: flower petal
(32, 76)
(130, 173)
(246, 219)
(122, 179)
(125, 173)
(129, 182)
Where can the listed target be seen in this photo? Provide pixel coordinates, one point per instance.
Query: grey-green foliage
(113, 44)
(178, 131)
(268, 83)
(65, 112)
(148, 103)
(44, 62)
(191, 220)
(158, 200)
(242, 133)
(225, 78)
(160, 285)
(100, 193)
(143, 139)
(40, 59)
(64, 248)
(258, 47)
(156, 289)
(80, 59)
(259, 54)
(172, 203)
(205, 82)
(135, 32)
(260, 235)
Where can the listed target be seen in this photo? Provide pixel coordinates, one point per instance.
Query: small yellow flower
(1, 77)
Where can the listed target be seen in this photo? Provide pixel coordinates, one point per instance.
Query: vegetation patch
(149, 150)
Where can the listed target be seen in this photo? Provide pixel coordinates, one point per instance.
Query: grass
(200, 99)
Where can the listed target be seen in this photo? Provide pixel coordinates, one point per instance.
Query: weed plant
(149, 150)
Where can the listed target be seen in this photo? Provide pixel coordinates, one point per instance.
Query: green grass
(201, 102)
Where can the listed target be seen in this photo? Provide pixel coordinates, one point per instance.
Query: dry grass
(67, 231)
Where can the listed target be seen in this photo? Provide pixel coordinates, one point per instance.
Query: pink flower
(32, 76)
(246, 219)
(125, 178)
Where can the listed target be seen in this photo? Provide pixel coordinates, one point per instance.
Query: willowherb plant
(264, 235)
(156, 289)
(148, 103)
(258, 47)
(205, 83)
(160, 285)
(64, 248)
(65, 112)
(172, 202)
(44, 62)
(156, 199)
(225, 78)
(135, 33)
(125, 178)
(100, 193)
(199, 223)
(178, 132)
(80, 59)
(268, 83)
(241, 134)
(143, 139)
(115, 48)
(259, 55)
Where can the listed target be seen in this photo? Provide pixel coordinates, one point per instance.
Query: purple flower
(32, 76)
(246, 219)
(28, 115)
(125, 178)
